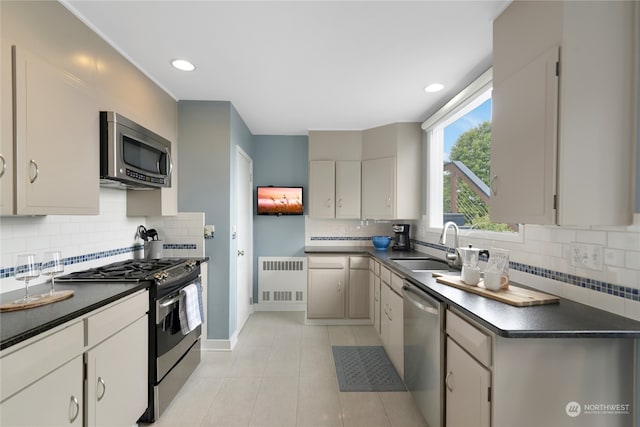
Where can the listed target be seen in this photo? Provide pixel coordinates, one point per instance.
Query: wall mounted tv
(280, 200)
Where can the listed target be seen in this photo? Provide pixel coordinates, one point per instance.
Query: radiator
(282, 282)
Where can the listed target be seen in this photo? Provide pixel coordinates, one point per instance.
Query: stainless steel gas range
(173, 355)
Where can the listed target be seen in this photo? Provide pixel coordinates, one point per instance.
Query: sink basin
(421, 264)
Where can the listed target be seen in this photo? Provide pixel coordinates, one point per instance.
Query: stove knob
(161, 275)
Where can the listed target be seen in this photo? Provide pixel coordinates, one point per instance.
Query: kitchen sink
(421, 264)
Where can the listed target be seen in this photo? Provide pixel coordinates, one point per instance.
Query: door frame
(247, 237)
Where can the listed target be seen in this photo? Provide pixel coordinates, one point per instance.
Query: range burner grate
(128, 270)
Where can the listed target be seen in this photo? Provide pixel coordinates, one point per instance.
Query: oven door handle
(169, 302)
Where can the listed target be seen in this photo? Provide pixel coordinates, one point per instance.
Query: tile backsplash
(88, 241)
(540, 257)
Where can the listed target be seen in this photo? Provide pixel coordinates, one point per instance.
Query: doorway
(244, 238)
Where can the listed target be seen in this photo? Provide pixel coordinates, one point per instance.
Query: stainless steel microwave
(131, 156)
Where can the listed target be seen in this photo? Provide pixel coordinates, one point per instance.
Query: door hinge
(555, 201)
(558, 68)
(489, 394)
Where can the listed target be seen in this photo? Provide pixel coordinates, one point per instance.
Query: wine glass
(52, 264)
(26, 269)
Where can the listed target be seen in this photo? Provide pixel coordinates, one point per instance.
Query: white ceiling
(293, 66)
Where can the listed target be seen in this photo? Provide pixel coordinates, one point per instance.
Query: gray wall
(204, 183)
(209, 133)
(279, 160)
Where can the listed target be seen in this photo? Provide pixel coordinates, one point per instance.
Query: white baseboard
(337, 322)
(219, 344)
(279, 307)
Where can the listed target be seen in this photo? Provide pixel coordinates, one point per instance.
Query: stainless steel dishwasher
(424, 352)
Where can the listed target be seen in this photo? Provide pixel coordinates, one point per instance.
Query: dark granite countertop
(567, 319)
(17, 326)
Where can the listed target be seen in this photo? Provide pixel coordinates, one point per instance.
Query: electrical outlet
(586, 256)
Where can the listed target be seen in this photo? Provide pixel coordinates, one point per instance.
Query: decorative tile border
(583, 282)
(180, 246)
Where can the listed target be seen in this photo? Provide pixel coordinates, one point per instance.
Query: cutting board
(515, 295)
(43, 300)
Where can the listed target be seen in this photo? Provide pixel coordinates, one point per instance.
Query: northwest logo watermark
(574, 409)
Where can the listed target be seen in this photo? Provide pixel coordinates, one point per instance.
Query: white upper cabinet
(334, 174)
(334, 189)
(56, 125)
(564, 109)
(6, 129)
(379, 188)
(392, 172)
(322, 189)
(348, 189)
(523, 148)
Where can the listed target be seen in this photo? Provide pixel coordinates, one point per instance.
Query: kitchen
(112, 230)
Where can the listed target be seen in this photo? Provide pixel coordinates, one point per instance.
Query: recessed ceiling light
(183, 65)
(434, 87)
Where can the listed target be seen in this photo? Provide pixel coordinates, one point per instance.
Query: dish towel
(189, 308)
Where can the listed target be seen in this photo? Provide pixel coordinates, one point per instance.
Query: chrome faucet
(453, 259)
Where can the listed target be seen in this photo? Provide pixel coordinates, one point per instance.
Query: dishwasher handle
(419, 301)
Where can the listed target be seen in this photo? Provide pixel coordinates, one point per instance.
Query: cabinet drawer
(374, 266)
(396, 283)
(359, 262)
(327, 262)
(473, 340)
(107, 322)
(34, 361)
(385, 274)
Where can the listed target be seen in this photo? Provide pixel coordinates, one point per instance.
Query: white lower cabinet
(326, 293)
(391, 326)
(467, 389)
(117, 377)
(468, 378)
(54, 400)
(43, 378)
(374, 292)
(338, 287)
(359, 300)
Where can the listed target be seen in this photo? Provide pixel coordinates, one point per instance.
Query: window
(458, 156)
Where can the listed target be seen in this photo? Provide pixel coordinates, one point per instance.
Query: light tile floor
(282, 374)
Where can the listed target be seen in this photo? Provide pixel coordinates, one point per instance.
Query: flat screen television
(280, 200)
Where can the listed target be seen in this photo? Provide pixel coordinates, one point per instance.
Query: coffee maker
(402, 241)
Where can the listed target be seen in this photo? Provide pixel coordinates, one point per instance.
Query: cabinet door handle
(446, 380)
(389, 202)
(390, 314)
(240, 252)
(492, 185)
(37, 170)
(340, 202)
(4, 165)
(104, 388)
(329, 202)
(74, 409)
(339, 286)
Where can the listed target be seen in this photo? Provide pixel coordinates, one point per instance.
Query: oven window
(142, 156)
